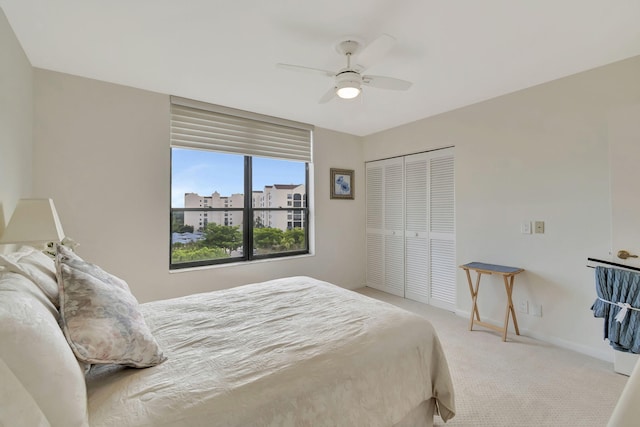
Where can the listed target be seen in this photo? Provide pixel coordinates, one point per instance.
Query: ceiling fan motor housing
(348, 76)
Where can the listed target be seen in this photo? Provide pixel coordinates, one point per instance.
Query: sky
(204, 172)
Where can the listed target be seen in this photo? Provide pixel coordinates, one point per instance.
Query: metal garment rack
(615, 264)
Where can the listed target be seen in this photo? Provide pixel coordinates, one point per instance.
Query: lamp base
(50, 247)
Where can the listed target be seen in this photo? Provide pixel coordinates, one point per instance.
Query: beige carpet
(521, 382)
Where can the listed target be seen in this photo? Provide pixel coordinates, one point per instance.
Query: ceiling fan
(348, 81)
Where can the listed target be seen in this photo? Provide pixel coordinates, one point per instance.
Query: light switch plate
(539, 227)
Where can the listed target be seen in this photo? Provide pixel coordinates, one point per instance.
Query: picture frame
(342, 183)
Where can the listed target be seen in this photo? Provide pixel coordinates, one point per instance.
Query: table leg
(508, 285)
(474, 298)
(513, 311)
(475, 294)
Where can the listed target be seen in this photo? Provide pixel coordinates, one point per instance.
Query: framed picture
(342, 183)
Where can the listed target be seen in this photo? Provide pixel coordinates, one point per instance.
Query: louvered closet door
(385, 200)
(442, 251)
(410, 227)
(394, 226)
(416, 231)
(429, 234)
(375, 229)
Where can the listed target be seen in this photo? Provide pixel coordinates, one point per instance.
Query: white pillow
(100, 317)
(35, 265)
(34, 349)
(18, 407)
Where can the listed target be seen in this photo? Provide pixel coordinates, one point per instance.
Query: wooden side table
(508, 274)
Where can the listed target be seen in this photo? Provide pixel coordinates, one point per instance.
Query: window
(247, 171)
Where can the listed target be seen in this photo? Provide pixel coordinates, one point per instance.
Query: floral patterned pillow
(100, 317)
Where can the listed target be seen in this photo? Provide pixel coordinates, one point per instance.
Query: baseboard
(606, 355)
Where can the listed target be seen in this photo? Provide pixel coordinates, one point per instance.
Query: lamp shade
(33, 221)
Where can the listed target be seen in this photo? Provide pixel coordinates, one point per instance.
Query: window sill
(240, 263)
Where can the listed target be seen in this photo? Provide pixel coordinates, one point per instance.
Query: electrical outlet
(523, 306)
(525, 227)
(536, 310)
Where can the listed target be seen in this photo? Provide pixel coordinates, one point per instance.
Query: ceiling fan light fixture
(348, 84)
(348, 90)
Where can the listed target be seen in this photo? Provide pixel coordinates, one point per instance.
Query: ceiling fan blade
(306, 69)
(328, 96)
(374, 51)
(382, 82)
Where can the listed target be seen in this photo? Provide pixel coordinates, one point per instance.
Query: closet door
(411, 227)
(430, 275)
(385, 225)
(394, 226)
(416, 230)
(442, 237)
(375, 228)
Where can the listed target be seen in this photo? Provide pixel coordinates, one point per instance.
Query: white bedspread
(287, 352)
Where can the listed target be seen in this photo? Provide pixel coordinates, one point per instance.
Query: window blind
(196, 124)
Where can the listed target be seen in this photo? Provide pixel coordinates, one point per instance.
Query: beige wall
(16, 122)
(102, 154)
(538, 154)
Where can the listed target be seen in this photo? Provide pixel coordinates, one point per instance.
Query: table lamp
(34, 222)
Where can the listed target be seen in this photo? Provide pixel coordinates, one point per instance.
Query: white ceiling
(456, 52)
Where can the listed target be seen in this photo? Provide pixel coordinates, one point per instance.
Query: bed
(294, 351)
